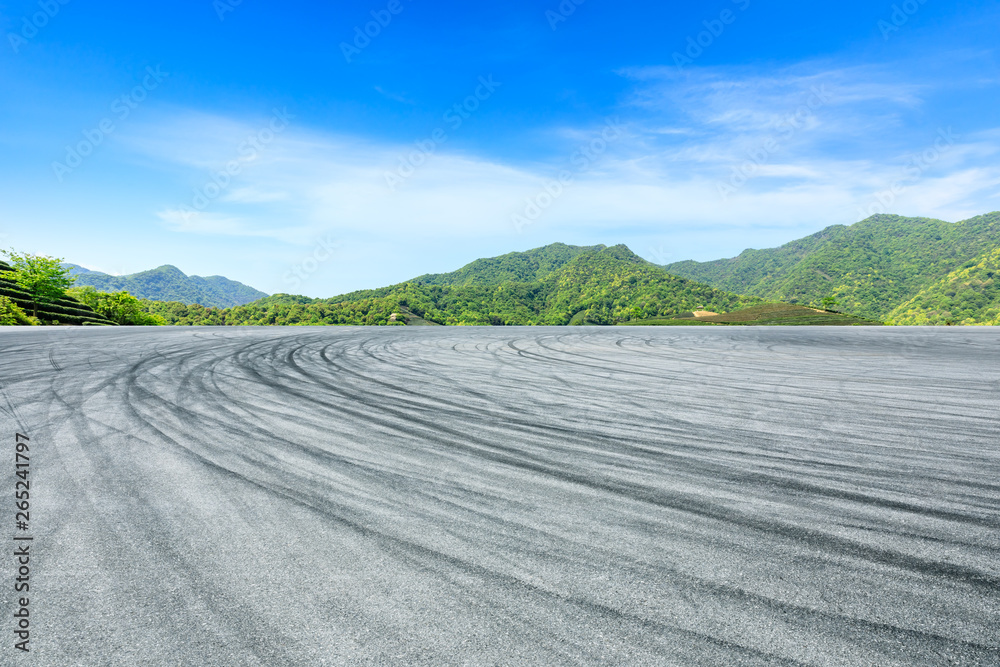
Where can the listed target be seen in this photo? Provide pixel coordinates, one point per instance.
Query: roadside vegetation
(12, 315)
(42, 286)
(42, 278)
(119, 307)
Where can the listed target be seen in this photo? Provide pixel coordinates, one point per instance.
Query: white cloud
(683, 140)
(202, 223)
(248, 195)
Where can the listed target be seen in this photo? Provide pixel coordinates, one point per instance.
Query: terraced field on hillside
(64, 311)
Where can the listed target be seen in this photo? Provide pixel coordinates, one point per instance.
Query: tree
(44, 278)
(829, 302)
(119, 307)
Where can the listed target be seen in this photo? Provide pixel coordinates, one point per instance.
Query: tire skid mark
(679, 502)
(404, 547)
(153, 542)
(324, 420)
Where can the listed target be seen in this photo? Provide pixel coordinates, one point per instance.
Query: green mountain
(597, 285)
(870, 268)
(970, 295)
(514, 267)
(168, 283)
(66, 310)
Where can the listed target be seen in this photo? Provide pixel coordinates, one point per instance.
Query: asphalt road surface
(505, 496)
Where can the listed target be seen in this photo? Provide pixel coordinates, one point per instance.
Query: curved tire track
(514, 496)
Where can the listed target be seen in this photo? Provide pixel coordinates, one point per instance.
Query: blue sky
(280, 145)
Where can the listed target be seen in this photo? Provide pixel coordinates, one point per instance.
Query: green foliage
(283, 299)
(65, 310)
(969, 295)
(870, 268)
(168, 283)
(364, 312)
(43, 278)
(119, 307)
(514, 267)
(614, 285)
(11, 314)
(597, 285)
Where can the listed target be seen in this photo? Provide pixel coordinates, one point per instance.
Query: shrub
(119, 307)
(11, 314)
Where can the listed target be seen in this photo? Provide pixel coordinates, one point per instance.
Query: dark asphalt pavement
(505, 496)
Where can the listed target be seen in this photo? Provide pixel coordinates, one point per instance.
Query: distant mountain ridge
(871, 268)
(514, 267)
(168, 283)
(887, 268)
(556, 285)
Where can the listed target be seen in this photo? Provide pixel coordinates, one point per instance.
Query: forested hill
(969, 295)
(885, 269)
(514, 267)
(598, 285)
(168, 283)
(871, 268)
